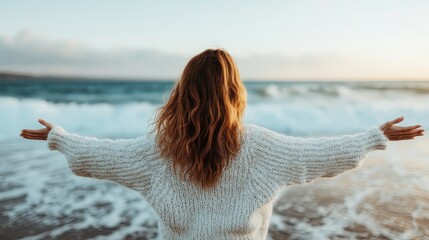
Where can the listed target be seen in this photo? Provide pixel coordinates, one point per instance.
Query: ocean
(386, 198)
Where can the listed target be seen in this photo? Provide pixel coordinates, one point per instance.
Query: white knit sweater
(240, 205)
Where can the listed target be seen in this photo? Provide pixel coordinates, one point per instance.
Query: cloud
(28, 52)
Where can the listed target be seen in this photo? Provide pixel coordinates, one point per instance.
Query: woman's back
(239, 206)
(228, 210)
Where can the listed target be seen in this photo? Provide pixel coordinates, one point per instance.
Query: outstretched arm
(121, 160)
(289, 160)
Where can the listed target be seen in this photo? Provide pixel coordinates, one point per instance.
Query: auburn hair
(200, 126)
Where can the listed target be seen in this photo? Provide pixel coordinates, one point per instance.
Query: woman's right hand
(37, 134)
(397, 133)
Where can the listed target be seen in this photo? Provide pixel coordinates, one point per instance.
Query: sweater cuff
(376, 139)
(55, 138)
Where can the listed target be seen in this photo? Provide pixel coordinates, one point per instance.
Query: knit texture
(240, 205)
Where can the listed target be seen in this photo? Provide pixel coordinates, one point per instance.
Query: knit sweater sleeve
(121, 161)
(287, 160)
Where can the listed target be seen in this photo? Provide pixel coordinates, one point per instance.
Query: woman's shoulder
(263, 136)
(259, 135)
(254, 129)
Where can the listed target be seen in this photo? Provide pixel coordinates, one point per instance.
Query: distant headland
(17, 76)
(11, 76)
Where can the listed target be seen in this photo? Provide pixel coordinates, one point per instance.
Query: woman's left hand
(398, 133)
(39, 134)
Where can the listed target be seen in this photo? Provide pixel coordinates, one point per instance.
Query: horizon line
(13, 75)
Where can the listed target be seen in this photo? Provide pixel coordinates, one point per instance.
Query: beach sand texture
(386, 198)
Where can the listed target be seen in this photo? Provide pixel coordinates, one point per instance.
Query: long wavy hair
(200, 126)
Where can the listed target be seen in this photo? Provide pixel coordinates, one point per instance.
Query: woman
(205, 173)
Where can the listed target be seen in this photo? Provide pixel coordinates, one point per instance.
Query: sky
(270, 40)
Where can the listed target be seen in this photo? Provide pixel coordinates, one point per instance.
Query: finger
(33, 131)
(407, 128)
(405, 134)
(383, 127)
(388, 124)
(399, 133)
(395, 121)
(46, 124)
(34, 135)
